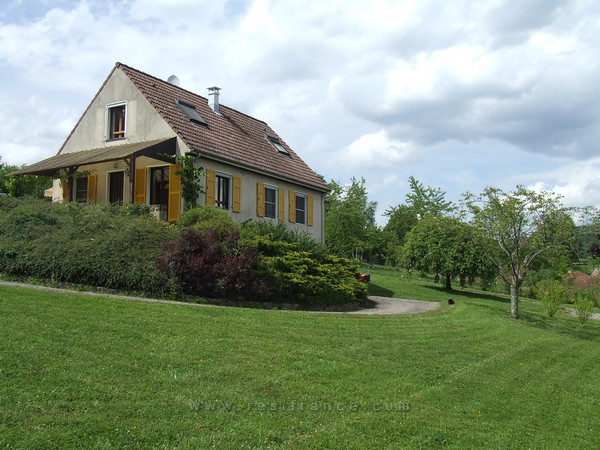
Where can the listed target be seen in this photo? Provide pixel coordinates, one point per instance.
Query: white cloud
(375, 151)
(578, 182)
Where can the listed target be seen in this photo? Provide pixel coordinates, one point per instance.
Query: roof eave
(241, 165)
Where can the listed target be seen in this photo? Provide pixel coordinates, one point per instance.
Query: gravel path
(377, 305)
(387, 305)
(573, 312)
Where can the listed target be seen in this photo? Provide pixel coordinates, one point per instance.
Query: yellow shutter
(237, 194)
(91, 188)
(309, 212)
(174, 209)
(292, 209)
(260, 199)
(210, 187)
(65, 188)
(281, 204)
(140, 186)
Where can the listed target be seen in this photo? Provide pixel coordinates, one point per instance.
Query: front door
(159, 186)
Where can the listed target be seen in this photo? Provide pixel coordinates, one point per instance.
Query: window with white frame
(116, 120)
(223, 191)
(271, 202)
(300, 208)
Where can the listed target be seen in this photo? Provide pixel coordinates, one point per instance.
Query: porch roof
(161, 149)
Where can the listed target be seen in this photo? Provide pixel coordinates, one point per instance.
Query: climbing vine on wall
(190, 180)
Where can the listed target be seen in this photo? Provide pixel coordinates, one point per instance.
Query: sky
(460, 94)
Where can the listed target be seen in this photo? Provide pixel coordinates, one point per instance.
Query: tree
(448, 247)
(421, 201)
(19, 186)
(349, 217)
(402, 219)
(526, 226)
(427, 201)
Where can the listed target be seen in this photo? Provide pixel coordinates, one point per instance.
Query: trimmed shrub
(122, 247)
(258, 232)
(297, 269)
(84, 244)
(204, 218)
(297, 277)
(203, 264)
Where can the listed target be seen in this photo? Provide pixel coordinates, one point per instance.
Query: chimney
(213, 99)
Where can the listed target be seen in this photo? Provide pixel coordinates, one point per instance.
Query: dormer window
(278, 146)
(190, 111)
(116, 120)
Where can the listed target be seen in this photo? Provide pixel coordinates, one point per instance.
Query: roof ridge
(154, 77)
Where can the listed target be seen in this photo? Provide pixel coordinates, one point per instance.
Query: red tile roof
(578, 279)
(230, 137)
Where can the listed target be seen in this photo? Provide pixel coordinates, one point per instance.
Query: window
(81, 189)
(222, 191)
(190, 111)
(115, 121)
(278, 146)
(116, 181)
(159, 185)
(270, 202)
(300, 208)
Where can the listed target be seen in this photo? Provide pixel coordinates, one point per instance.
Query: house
(122, 150)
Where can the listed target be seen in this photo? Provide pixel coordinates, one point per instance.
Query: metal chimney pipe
(213, 99)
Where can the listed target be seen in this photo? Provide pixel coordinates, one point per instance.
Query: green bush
(552, 293)
(585, 299)
(130, 209)
(122, 247)
(203, 218)
(92, 245)
(261, 231)
(297, 269)
(298, 277)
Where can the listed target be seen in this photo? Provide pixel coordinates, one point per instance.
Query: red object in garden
(365, 278)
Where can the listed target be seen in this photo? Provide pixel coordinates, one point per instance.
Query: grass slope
(95, 372)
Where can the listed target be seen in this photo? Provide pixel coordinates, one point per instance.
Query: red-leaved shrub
(205, 265)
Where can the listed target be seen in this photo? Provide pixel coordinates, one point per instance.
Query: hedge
(205, 254)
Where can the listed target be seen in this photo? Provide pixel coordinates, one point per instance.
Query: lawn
(95, 372)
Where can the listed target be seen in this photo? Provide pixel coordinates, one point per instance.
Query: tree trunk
(448, 282)
(514, 299)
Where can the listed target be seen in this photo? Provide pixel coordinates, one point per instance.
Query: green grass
(88, 372)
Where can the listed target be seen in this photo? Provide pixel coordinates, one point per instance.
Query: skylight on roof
(191, 113)
(275, 143)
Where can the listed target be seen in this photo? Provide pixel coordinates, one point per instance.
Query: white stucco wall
(249, 197)
(143, 123)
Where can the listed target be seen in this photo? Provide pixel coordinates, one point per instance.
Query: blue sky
(459, 94)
